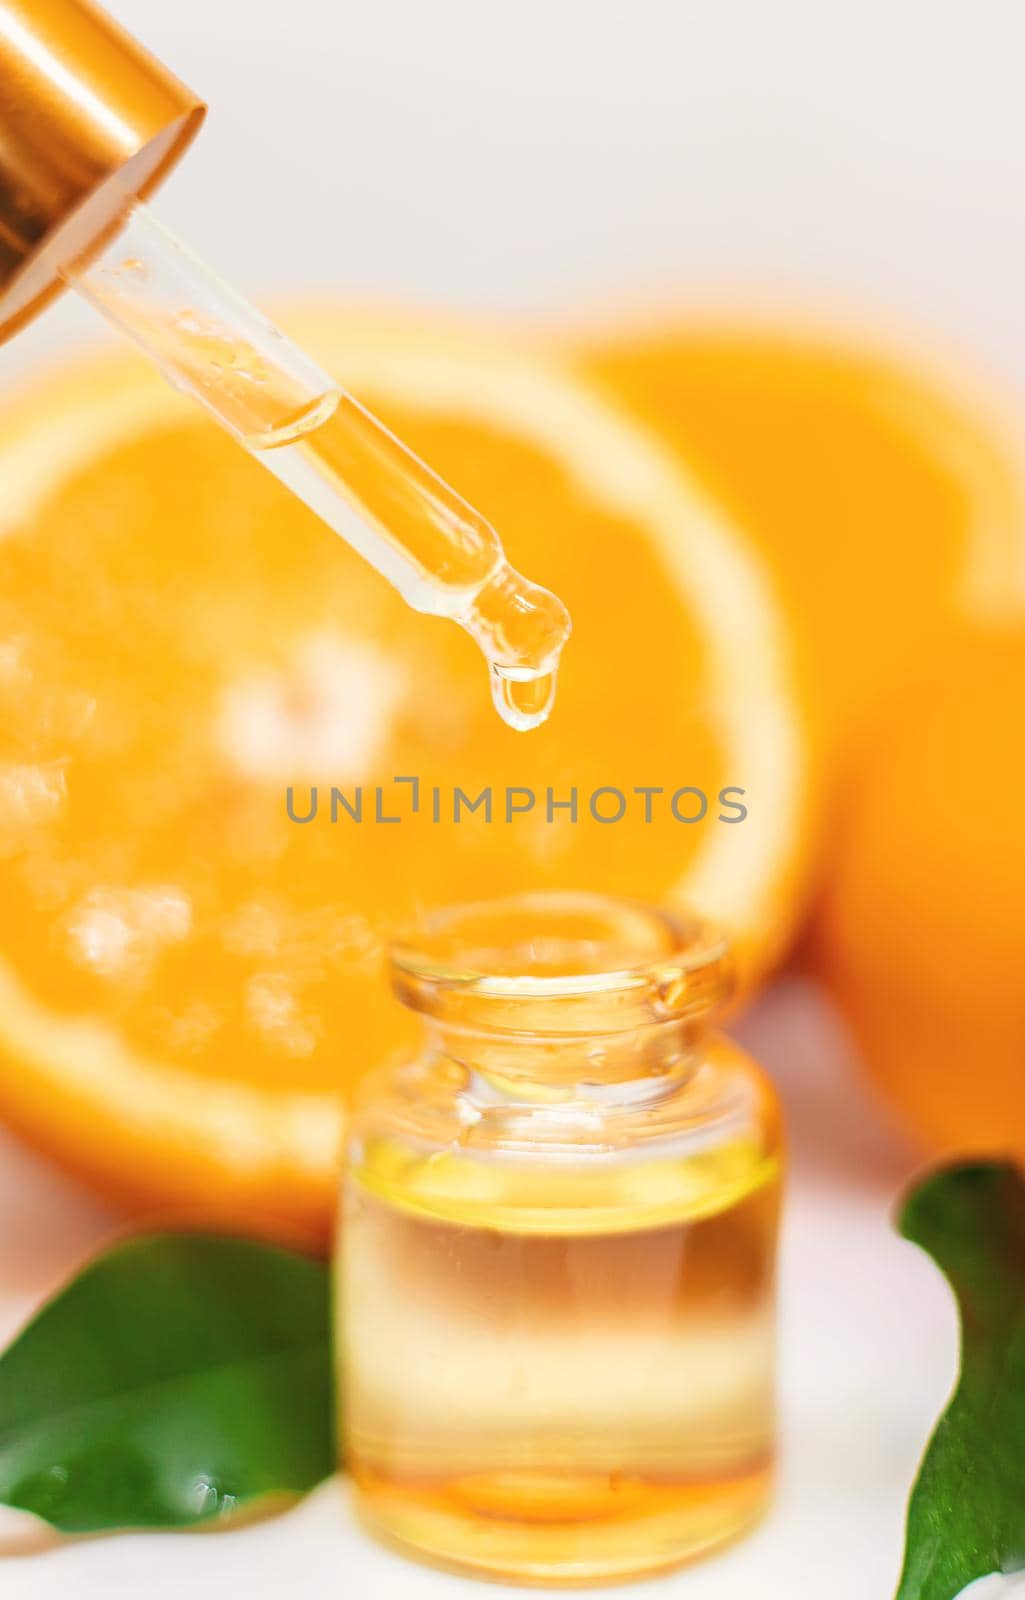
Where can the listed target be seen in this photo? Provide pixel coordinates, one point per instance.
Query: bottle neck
(554, 1067)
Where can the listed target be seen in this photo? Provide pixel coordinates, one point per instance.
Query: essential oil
(556, 1271)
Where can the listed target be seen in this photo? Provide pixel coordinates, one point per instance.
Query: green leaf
(966, 1517)
(176, 1378)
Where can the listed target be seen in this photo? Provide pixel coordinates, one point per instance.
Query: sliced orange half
(190, 980)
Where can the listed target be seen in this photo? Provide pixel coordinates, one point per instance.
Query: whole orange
(884, 487)
(922, 934)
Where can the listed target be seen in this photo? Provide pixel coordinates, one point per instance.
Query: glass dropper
(441, 555)
(91, 124)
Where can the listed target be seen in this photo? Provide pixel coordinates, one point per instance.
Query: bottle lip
(560, 962)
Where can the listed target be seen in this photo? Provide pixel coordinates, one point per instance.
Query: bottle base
(560, 1531)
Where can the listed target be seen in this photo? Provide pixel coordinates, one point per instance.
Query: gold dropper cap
(89, 121)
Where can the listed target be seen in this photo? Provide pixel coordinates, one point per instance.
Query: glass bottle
(556, 1271)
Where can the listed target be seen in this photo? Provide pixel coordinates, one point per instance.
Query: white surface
(869, 1354)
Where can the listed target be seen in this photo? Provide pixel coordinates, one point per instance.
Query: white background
(552, 157)
(543, 155)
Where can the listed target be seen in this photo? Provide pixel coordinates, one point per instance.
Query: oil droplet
(522, 703)
(521, 629)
